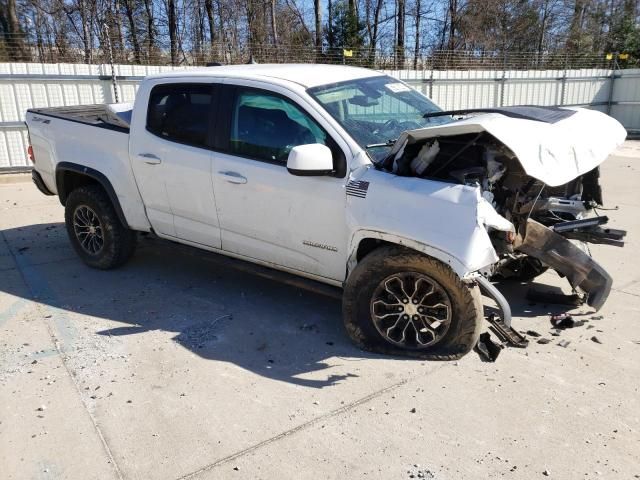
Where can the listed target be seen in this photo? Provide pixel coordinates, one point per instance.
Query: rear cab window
(180, 112)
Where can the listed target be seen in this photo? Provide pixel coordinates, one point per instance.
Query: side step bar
(501, 327)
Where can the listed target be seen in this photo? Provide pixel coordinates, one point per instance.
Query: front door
(265, 212)
(172, 163)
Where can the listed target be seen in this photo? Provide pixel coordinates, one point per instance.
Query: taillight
(30, 154)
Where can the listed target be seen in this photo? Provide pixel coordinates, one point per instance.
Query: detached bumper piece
(557, 251)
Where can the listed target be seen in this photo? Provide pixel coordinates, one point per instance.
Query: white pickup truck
(342, 175)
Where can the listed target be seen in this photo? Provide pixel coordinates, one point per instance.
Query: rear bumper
(37, 180)
(566, 258)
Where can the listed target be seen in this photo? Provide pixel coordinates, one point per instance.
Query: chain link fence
(30, 48)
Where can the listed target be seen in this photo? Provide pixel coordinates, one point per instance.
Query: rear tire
(96, 233)
(443, 324)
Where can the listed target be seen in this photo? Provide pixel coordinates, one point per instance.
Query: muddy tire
(94, 229)
(400, 302)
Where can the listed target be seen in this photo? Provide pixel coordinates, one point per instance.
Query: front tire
(398, 301)
(95, 231)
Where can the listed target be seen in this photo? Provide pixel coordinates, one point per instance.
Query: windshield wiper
(444, 114)
(388, 143)
(525, 112)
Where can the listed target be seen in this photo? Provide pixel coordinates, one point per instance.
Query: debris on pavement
(487, 348)
(543, 341)
(417, 472)
(596, 340)
(564, 343)
(564, 320)
(532, 333)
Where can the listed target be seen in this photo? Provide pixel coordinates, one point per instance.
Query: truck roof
(307, 75)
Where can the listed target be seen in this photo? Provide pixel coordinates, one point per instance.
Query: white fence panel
(33, 85)
(627, 89)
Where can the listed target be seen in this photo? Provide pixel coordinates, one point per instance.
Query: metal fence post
(431, 83)
(113, 69)
(612, 82)
(503, 80)
(563, 82)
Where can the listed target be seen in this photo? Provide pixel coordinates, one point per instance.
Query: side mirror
(314, 159)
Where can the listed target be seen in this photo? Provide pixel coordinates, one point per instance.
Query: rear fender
(98, 177)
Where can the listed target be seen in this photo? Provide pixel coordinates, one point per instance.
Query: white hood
(554, 153)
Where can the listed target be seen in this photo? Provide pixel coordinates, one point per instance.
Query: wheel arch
(364, 242)
(70, 176)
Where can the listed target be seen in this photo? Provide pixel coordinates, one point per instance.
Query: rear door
(172, 162)
(266, 213)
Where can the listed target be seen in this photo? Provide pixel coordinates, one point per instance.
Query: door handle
(234, 177)
(150, 158)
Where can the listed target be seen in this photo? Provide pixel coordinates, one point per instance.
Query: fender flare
(99, 177)
(445, 257)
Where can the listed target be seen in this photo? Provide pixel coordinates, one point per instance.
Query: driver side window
(266, 127)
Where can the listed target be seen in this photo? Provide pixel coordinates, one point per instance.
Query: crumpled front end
(539, 178)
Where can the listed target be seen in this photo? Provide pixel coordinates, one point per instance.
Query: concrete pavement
(177, 366)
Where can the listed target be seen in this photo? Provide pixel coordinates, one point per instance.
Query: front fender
(445, 257)
(446, 221)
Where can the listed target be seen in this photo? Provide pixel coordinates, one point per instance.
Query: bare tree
(274, 28)
(133, 31)
(399, 48)
(151, 29)
(576, 27)
(172, 18)
(416, 25)
(208, 5)
(11, 31)
(372, 23)
(453, 23)
(317, 8)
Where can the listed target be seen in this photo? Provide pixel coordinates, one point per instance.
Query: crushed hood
(554, 153)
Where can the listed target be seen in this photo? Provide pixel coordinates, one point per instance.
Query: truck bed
(111, 116)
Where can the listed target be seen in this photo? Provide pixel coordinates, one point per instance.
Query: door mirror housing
(314, 159)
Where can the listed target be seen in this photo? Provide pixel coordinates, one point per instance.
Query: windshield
(376, 110)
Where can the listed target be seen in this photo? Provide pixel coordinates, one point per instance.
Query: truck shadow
(219, 313)
(222, 314)
(516, 292)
